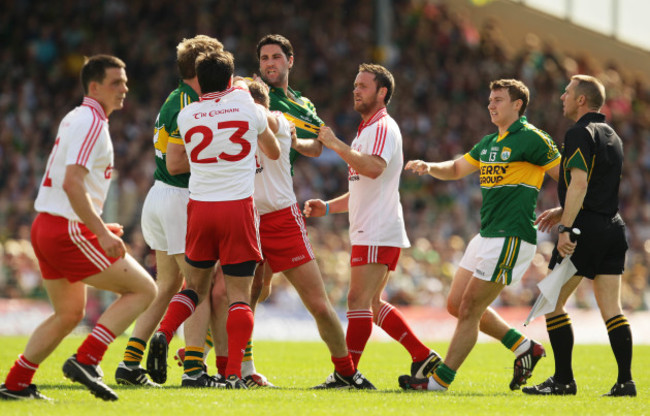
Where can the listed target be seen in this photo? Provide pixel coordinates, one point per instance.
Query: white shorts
(164, 218)
(501, 259)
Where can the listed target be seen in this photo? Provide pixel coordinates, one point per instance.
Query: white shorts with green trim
(164, 218)
(501, 259)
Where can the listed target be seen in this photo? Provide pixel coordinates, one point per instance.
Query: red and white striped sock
(180, 308)
(21, 374)
(358, 333)
(392, 321)
(93, 348)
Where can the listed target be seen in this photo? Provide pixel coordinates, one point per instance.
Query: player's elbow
(313, 152)
(315, 149)
(174, 169)
(177, 166)
(374, 172)
(273, 152)
(70, 185)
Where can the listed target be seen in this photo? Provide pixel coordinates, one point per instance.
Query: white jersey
(273, 183)
(220, 134)
(83, 139)
(376, 217)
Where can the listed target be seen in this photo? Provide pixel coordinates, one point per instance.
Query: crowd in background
(442, 66)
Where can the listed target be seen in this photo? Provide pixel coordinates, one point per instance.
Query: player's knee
(468, 311)
(321, 310)
(169, 287)
(149, 292)
(452, 307)
(218, 297)
(358, 300)
(69, 319)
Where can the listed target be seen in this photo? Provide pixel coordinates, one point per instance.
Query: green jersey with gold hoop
(298, 110)
(166, 131)
(511, 172)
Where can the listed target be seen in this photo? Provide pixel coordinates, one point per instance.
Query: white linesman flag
(550, 287)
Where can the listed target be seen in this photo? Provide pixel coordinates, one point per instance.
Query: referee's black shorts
(601, 246)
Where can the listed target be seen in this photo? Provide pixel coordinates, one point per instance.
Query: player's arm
(75, 189)
(548, 219)
(554, 172)
(308, 147)
(176, 160)
(320, 208)
(575, 196)
(367, 165)
(274, 124)
(446, 171)
(268, 144)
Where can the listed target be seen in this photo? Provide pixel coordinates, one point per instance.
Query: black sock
(620, 338)
(560, 334)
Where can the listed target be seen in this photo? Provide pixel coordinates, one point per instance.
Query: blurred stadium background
(443, 55)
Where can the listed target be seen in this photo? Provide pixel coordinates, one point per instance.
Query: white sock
(247, 368)
(522, 348)
(434, 385)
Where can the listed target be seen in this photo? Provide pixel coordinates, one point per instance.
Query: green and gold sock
(134, 352)
(193, 364)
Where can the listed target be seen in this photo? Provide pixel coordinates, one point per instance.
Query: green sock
(444, 375)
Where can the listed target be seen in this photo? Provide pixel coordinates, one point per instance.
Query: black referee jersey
(593, 146)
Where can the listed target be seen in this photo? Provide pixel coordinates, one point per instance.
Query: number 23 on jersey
(207, 136)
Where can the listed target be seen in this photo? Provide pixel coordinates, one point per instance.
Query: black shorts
(601, 246)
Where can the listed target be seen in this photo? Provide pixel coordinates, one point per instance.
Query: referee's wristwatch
(563, 229)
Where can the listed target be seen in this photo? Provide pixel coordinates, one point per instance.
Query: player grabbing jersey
(377, 230)
(287, 249)
(276, 58)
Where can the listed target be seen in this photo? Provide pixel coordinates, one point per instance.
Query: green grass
(481, 386)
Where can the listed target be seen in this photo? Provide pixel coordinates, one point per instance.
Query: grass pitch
(481, 386)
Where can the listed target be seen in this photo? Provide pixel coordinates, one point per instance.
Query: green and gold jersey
(166, 131)
(512, 170)
(300, 111)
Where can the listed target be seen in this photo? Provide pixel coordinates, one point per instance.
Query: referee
(590, 174)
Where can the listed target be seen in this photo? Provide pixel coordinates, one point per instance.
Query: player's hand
(327, 137)
(259, 79)
(294, 135)
(418, 166)
(565, 246)
(115, 228)
(314, 208)
(112, 244)
(548, 219)
(240, 82)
